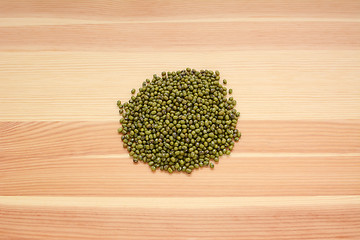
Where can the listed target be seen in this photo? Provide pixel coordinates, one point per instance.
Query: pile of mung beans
(180, 121)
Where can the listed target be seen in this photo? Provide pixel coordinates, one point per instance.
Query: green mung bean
(179, 121)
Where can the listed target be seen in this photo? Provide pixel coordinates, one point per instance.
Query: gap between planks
(29, 21)
(179, 202)
(244, 154)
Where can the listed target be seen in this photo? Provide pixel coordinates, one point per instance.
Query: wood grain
(181, 218)
(223, 36)
(294, 67)
(239, 175)
(268, 85)
(180, 9)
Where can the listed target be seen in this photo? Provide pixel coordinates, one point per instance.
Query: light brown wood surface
(295, 70)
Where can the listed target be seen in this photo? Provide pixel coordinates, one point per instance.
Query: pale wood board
(295, 70)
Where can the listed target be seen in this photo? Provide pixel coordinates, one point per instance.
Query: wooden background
(294, 67)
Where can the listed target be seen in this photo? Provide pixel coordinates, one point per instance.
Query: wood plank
(180, 9)
(183, 36)
(180, 218)
(273, 158)
(268, 85)
(237, 175)
(25, 140)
